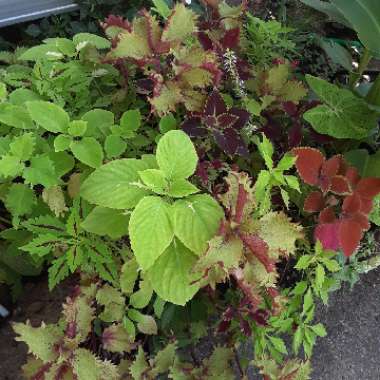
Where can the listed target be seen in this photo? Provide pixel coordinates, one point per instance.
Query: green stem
(356, 75)
(373, 96)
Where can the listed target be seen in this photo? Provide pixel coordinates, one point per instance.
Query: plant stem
(364, 61)
(373, 96)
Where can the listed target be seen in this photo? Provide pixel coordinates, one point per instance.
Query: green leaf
(278, 344)
(167, 123)
(3, 92)
(62, 143)
(297, 339)
(114, 146)
(337, 53)
(155, 179)
(161, 8)
(10, 166)
(331, 265)
(40, 52)
(15, 116)
(22, 95)
(364, 16)
(300, 288)
(77, 128)
(145, 323)
(106, 221)
(116, 184)
(98, 122)
(128, 276)
(319, 276)
(343, 115)
(20, 200)
(176, 155)
(22, 146)
(262, 189)
(368, 165)
(41, 171)
(266, 151)
(304, 262)
(62, 161)
(82, 39)
(319, 329)
(74, 256)
(58, 271)
(142, 297)
(171, 276)
(130, 121)
(196, 220)
(286, 162)
(180, 188)
(150, 230)
(48, 115)
(88, 151)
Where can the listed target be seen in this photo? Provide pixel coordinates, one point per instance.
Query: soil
(36, 304)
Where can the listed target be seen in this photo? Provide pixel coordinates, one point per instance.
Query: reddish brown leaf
(327, 234)
(361, 219)
(340, 185)
(327, 216)
(308, 164)
(331, 167)
(352, 204)
(352, 175)
(314, 202)
(366, 206)
(350, 234)
(368, 188)
(231, 38)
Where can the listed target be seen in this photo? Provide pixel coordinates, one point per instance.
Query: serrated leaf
(145, 323)
(196, 220)
(74, 256)
(150, 230)
(11, 166)
(114, 146)
(155, 180)
(128, 276)
(49, 116)
(77, 128)
(98, 122)
(319, 276)
(171, 276)
(62, 143)
(176, 155)
(116, 184)
(278, 344)
(319, 329)
(89, 151)
(41, 171)
(20, 200)
(82, 39)
(22, 146)
(181, 24)
(116, 339)
(304, 262)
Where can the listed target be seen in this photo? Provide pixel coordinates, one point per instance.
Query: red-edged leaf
(226, 120)
(350, 234)
(193, 127)
(230, 141)
(231, 38)
(327, 216)
(314, 202)
(331, 167)
(308, 164)
(352, 204)
(258, 248)
(352, 174)
(215, 105)
(340, 185)
(327, 234)
(368, 188)
(361, 219)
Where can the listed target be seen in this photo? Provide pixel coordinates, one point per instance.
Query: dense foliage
(198, 185)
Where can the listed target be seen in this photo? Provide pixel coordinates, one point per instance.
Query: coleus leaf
(350, 235)
(314, 202)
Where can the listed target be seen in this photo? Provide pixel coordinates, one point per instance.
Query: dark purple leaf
(242, 117)
(226, 120)
(295, 135)
(231, 38)
(193, 127)
(214, 105)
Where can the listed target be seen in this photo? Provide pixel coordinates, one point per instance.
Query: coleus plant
(178, 68)
(343, 199)
(170, 223)
(223, 123)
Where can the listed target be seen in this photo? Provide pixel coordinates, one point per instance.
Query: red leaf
(361, 219)
(314, 202)
(352, 175)
(327, 234)
(350, 234)
(368, 188)
(352, 204)
(331, 167)
(231, 38)
(308, 164)
(367, 205)
(258, 248)
(327, 216)
(340, 185)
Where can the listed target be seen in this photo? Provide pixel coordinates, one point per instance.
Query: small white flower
(188, 2)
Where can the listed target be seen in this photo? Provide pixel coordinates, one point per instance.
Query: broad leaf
(196, 220)
(150, 230)
(88, 151)
(343, 115)
(15, 116)
(176, 155)
(49, 116)
(116, 184)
